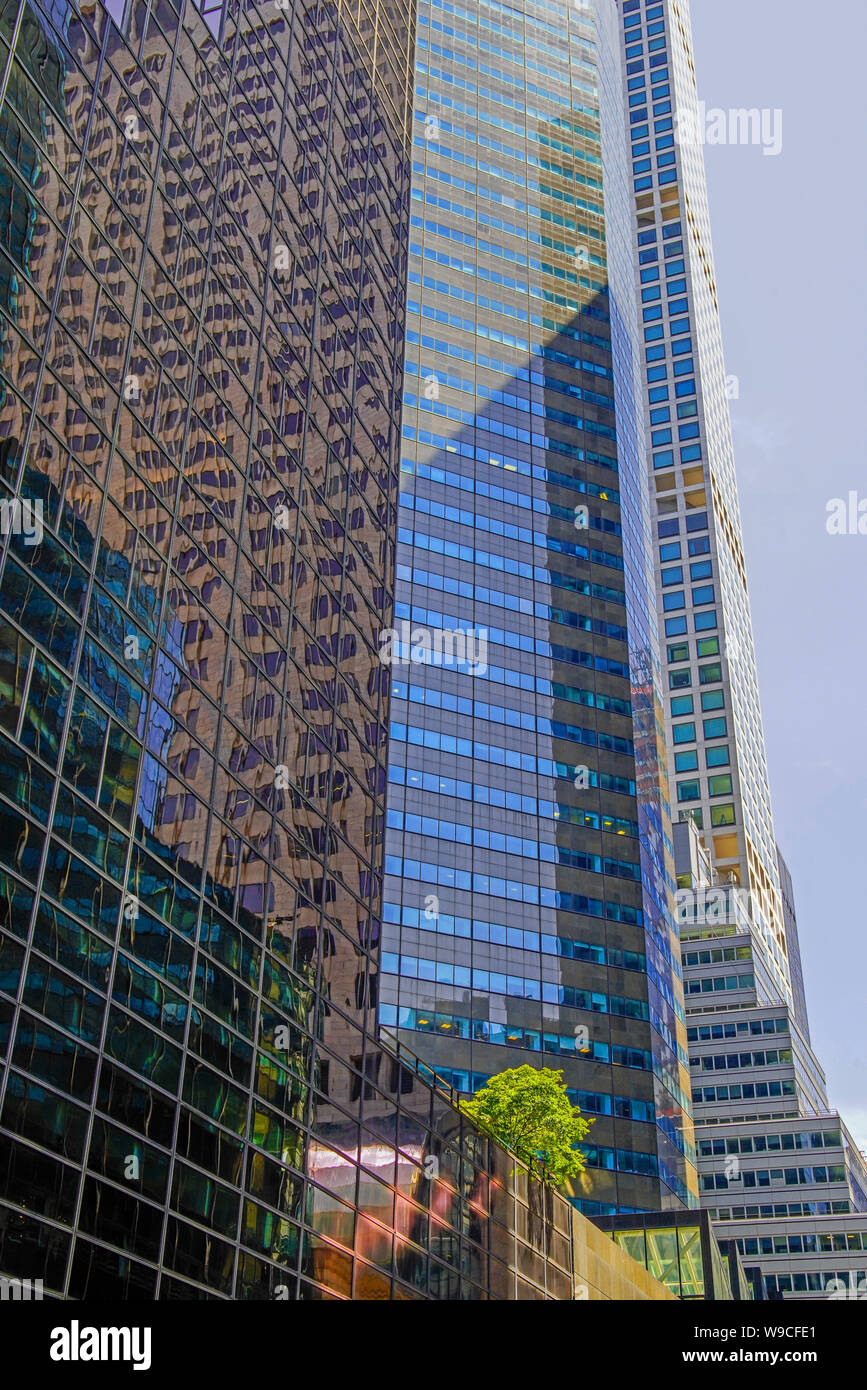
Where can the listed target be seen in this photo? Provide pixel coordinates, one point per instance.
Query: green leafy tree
(527, 1110)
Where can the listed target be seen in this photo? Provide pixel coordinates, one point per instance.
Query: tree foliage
(527, 1110)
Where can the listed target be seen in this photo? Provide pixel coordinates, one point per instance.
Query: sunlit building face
(528, 854)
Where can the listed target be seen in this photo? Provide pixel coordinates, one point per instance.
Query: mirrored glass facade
(528, 870)
(201, 330)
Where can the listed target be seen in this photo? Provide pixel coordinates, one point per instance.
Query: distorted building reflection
(203, 232)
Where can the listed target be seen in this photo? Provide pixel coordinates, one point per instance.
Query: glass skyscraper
(202, 297)
(528, 855)
(717, 763)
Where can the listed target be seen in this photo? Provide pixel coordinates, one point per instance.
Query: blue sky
(789, 244)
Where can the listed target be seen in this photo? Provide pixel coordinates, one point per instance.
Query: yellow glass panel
(662, 1258)
(691, 1268)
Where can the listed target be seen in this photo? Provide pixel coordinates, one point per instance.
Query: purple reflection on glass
(212, 13)
(116, 10)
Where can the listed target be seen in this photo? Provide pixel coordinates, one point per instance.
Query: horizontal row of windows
(716, 727)
(539, 851)
(773, 1143)
(469, 448)
(438, 231)
(546, 92)
(486, 795)
(675, 599)
(620, 1160)
(702, 569)
(505, 564)
(720, 983)
(573, 733)
(779, 1209)
(515, 719)
(720, 815)
(760, 1090)
(709, 674)
(422, 652)
(697, 545)
(442, 231)
(670, 526)
(715, 957)
(526, 501)
(435, 698)
(511, 890)
(497, 334)
(807, 1244)
(478, 522)
(702, 622)
(518, 937)
(755, 1028)
(775, 1177)
(430, 919)
(505, 637)
(487, 250)
(508, 757)
(845, 1283)
(733, 1061)
(488, 424)
(524, 404)
(513, 986)
(650, 262)
(472, 269)
(518, 499)
(500, 598)
(502, 1035)
(685, 704)
(501, 98)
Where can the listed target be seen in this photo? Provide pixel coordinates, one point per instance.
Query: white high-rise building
(717, 763)
(758, 1092)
